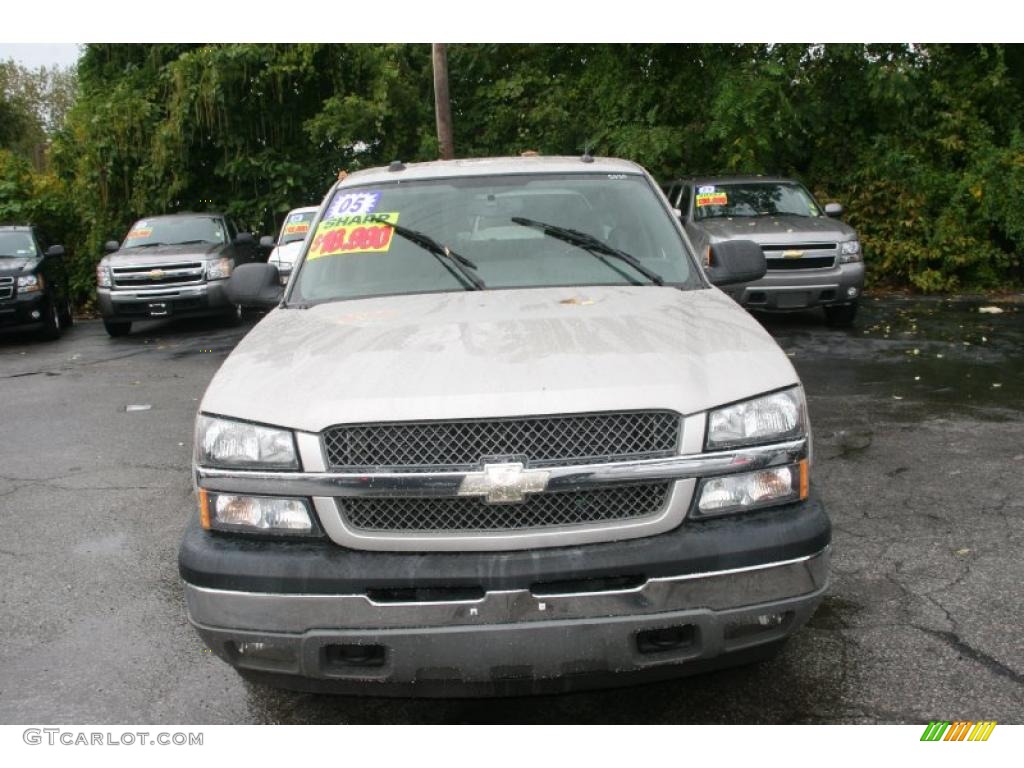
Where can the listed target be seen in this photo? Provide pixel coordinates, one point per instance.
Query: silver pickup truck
(170, 266)
(501, 432)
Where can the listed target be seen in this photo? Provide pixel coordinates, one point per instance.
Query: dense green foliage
(924, 145)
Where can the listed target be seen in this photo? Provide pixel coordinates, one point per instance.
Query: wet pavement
(918, 416)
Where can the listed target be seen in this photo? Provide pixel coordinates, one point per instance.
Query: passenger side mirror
(111, 246)
(244, 238)
(266, 241)
(736, 261)
(55, 251)
(255, 285)
(834, 210)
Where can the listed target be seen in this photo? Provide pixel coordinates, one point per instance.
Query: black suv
(33, 282)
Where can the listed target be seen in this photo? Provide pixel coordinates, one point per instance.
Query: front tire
(52, 326)
(117, 328)
(67, 315)
(841, 315)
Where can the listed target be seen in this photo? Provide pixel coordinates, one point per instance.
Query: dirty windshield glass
(756, 199)
(17, 245)
(485, 229)
(175, 230)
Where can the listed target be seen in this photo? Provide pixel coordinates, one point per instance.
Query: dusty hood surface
(497, 353)
(162, 254)
(778, 229)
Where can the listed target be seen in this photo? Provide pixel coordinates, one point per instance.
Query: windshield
(296, 226)
(753, 199)
(480, 221)
(176, 230)
(17, 245)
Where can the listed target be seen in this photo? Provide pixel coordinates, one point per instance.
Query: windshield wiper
(590, 244)
(448, 258)
(147, 245)
(194, 242)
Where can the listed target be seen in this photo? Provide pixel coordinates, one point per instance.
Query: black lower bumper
(245, 564)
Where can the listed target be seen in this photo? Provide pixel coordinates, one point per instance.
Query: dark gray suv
(813, 258)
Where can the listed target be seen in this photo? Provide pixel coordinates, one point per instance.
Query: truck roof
(439, 169)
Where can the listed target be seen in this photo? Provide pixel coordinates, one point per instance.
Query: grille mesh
(474, 514)
(540, 440)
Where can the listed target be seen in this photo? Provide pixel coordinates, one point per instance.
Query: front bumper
(155, 303)
(18, 310)
(350, 642)
(802, 289)
(449, 623)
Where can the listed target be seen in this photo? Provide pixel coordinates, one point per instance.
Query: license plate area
(158, 309)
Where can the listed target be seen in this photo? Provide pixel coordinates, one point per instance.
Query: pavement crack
(958, 644)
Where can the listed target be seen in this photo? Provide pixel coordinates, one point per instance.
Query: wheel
(233, 317)
(841, 314)
(67, 315)
(52, 325)
(117, 327)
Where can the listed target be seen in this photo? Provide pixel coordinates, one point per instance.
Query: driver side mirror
(833, 210)
(736, 261)
(255, 285)
(244, 238)
(111, 246)
(55, 251)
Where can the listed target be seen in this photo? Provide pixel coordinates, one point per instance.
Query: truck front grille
(534, 440)
(813, 256)
(543, 510)
(151, 276)
(6, 287)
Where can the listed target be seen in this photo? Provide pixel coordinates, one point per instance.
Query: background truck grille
(815, 256)
(542, 510)
(538, 440)
(159, 275)
(6, 287)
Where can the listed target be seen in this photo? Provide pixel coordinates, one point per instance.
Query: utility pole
(442, 104)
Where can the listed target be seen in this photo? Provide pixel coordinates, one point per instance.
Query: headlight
(30, 283)
(769, 418)
(219, 270)
(849, 251)
(239, 445)
(752, 490)
(103, 276)
(255, 514)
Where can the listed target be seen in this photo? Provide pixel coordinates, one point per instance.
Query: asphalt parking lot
(918, 416)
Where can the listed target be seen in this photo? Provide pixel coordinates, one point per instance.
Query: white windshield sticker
(352, 204)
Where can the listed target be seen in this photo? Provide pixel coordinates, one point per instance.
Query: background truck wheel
(233, 317)
(52, 324)
(67, 314)
(117, 328)
(841, 315)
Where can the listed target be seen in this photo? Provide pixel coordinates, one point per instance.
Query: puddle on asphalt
(941, 354)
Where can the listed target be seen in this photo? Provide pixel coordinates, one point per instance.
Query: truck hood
(778, 229)
(497, 353)
(9, 267)
(162, 254)
(286, 254)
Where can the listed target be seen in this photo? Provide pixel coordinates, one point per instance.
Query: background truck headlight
(219, 270)
(239, 445)
(103, 276)
(30, 283)
(765, 419)
(849, 252)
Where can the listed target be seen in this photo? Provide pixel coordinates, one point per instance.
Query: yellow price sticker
(353, 234)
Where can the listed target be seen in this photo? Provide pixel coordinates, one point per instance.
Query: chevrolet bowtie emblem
(156, 274)
(504, 483)
(794, 254)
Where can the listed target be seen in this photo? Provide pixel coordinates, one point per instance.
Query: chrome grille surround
(159, 275)
(814, 256)
(565, 439)
(6, 287)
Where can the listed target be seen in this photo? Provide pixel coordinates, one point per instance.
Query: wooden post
(442, 104)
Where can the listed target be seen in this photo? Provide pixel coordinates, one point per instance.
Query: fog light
(753, 490)
(851, 292)
(35, 314)
(254, 514)
(252, 654)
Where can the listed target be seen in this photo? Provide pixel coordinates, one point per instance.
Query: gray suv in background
(171, 266)
(813, 258)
